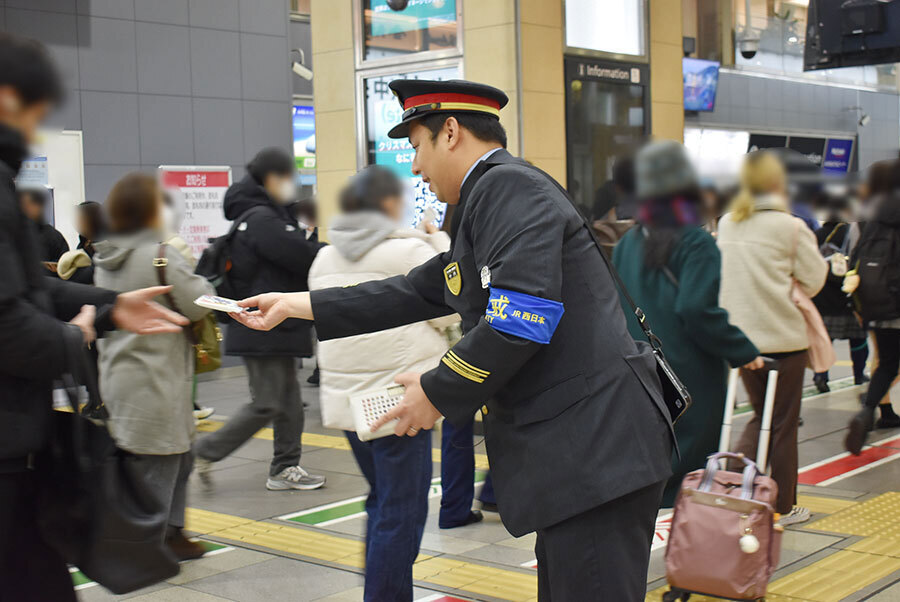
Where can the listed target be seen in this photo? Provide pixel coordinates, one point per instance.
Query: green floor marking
(80, 580)
(326, 514)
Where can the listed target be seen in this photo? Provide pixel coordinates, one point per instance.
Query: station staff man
(578, 438)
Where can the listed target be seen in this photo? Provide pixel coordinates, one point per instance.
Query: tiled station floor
(307, 545)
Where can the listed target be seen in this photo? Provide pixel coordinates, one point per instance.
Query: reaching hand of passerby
(851, 282)
(430, 228)
(756, 364)
(137, 312)
(85, 321)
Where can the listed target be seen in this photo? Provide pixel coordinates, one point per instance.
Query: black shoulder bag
(674, 393)
(95, 506)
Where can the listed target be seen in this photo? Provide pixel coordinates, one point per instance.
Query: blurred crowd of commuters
(733, 263)
(148, 385)
(715, 273)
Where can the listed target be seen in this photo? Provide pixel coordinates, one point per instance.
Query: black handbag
(95, 507)
(674, 393)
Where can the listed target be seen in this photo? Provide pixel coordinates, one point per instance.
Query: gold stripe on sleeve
(451, 363)
(483, 373)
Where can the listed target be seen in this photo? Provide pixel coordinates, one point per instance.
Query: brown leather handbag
(724, 540)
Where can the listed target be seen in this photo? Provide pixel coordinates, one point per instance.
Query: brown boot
(182, 547)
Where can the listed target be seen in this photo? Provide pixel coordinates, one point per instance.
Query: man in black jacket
(33, 333)
(578, 435)
(269, 251)
(51, 243)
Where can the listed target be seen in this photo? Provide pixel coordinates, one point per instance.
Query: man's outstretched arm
(347, 311)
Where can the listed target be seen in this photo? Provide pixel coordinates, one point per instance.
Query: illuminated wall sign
(304, 137)
(837, 156)
(614, 26)
(424, 25)
(382, 113)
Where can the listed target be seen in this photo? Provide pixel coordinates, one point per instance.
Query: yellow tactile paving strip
(203, 522)
(328, 441)
(823, 505)
(847, 571)
(836, 576)
(470, 577)
(879, 516)
(475, 578)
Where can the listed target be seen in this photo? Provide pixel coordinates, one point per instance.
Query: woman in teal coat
(671, 266)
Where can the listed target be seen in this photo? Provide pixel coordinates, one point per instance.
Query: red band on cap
(424, 99)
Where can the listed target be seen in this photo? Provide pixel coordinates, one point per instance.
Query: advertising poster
(837, 156)
(384, 112)
(304, 137)
(701, 79)
(418, 15)
(34, 173)
(202, 190)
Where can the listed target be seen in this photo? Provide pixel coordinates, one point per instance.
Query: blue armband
(523, 315)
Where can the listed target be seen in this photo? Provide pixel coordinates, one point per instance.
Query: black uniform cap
(420, 97)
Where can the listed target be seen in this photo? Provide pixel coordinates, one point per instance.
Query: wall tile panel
(163, 59)
(166, 129)
(107, 62)
(215, 56)
(110, 122)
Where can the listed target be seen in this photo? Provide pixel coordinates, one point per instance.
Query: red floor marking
(844, 463)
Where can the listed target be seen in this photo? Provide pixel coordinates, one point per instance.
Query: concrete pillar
(666, 89)
(543, 86)
(334, 100)
(489, 55)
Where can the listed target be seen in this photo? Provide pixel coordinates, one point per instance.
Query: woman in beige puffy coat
(367, 243)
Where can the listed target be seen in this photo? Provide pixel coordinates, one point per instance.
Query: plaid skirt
(844, 327)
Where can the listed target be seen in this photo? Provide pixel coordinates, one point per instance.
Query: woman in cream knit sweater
(764, 251)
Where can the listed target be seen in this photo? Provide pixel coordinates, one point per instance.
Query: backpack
(215, 262)
(878, 266)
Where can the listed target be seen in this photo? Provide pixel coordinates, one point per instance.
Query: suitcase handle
(749, 476)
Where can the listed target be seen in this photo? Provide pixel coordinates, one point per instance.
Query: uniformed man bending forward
(578, 438)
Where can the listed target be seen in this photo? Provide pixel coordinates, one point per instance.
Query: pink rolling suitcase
(724, 540)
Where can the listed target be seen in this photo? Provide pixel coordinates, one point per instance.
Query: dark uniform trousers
(578, 436)
(601, 554)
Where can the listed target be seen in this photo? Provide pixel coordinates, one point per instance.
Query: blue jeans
(398, 470)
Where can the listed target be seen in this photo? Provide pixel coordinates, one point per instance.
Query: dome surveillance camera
(748, 47)
(397, 4)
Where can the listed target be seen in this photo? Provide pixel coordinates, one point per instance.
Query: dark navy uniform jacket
(574, 415)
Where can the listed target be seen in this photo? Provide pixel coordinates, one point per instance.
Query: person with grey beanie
(671, 267)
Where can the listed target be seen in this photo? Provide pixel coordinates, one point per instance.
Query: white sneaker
(294, 477)
(797, 515)
(203, 413)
